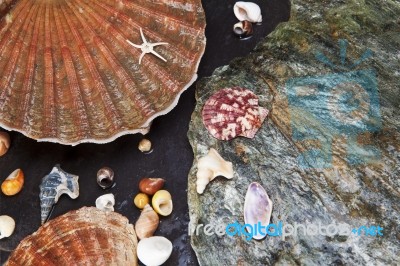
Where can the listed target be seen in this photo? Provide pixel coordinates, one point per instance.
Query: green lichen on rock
(358, 182)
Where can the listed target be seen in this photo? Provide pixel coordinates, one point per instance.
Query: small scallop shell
(154, 250)
(257, 207)
(162, 202)
(147, 223)
(7, 226)
(106, 202)
(233, 112)
(13, 183)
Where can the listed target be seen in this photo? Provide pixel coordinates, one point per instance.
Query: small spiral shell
(162, 202)
(105, 177)
(147, 223)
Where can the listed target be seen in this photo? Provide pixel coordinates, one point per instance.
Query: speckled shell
(233, 112)
(53, 185)
(68, 74)
(87, 236)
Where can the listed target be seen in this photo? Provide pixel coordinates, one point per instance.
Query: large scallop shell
(87, 236)
(233, 112)
(69, 75)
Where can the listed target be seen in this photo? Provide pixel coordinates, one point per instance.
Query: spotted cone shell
(233, 112)
(87, 236)
(69, 75)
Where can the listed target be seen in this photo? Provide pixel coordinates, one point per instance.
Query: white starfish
(147, 47)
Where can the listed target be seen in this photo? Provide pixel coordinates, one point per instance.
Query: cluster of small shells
(10, 186)
(152, 250)
(161, 204)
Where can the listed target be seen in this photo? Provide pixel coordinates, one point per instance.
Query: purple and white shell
(257, 208)
(233, 112)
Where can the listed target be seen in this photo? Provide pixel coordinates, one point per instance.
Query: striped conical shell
(87, 236)
(68, 74)
(233, 112)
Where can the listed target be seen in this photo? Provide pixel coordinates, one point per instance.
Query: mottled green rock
(358, 179)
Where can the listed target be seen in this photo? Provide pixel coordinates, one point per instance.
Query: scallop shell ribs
(87, 236)
(233, 112)
(70, 74)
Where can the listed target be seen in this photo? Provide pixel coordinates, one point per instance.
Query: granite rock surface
(329, 151)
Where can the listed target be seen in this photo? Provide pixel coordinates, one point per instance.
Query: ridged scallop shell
(233, 112)
(69, 75)
(87, 236)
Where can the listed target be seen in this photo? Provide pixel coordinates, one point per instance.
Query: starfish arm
(134, 45)
(141, 57)
(159, 56)
(159, 43)
(143, 38)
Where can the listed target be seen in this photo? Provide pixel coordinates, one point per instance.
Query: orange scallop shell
(87, 236)
(68, 74)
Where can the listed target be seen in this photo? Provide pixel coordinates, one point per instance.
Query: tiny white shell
(154, 250)
(247, 11)
(7, 226)
(105, 202)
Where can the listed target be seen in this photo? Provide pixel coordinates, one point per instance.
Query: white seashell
(7, 226)
(154, 250)
(211, 166)
(247, 11)
(257, 208)
(106, 202)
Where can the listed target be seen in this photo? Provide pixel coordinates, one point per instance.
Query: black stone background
(171, 158)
